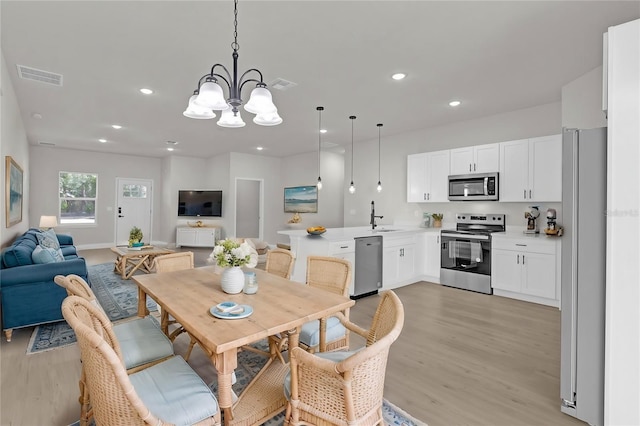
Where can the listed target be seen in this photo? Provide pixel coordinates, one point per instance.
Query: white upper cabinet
(428, 177)
(531, 169)
(475, 159)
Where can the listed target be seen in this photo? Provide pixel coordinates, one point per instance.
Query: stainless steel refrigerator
(584, 203)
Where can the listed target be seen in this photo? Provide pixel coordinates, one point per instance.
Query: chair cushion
(310, 332)
(172, 391)
(142, 341)
(48, 239)
(332, 356)
(46, 255)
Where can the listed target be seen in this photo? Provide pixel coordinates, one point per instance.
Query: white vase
(232, 280)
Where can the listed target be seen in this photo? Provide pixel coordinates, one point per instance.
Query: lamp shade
(48, 221)
(211, 97)
(268, 119)
(228, 119)
(196, 111)
(260, 102)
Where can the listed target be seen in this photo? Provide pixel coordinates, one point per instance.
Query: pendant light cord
(320, 109)
(353, 117)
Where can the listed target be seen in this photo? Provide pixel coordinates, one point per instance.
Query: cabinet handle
(521, 245)
(474, 167)
(518, 261)
(344, 246)
(428, 195)
(524, 194)
(523, 259)
(424, 196)
(438, 239)
(469, 166)
(529, 194)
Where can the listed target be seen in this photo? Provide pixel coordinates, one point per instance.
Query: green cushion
(173, 392)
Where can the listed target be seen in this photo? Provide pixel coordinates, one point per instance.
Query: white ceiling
(493, 56)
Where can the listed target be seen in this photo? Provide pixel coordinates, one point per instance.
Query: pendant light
(320, 109)
(379, 188)
(352, 187)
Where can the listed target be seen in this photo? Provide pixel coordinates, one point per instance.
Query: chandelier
(209, 95)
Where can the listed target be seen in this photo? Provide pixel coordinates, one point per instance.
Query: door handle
(120, 215)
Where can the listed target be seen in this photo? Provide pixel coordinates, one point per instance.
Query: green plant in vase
(135, 237)
(437, 219)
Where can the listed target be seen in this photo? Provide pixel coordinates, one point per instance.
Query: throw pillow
(48, 239)
(46, 255)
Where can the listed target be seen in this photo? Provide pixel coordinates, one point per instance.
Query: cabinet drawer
(398, 242)
(342, 247)
(531, 246)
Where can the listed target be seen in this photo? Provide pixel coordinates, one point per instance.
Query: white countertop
(341, 234)
(518, 234)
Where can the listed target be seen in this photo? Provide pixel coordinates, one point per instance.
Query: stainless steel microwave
(478, 186)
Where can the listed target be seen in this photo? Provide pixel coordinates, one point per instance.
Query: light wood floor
(463, 358)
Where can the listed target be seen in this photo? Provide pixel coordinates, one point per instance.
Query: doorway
(133, 208)
(249, 208)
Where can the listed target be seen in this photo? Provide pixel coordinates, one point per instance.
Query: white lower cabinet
(197, 237)
(345, 250)
(398, 261)
(428, 256)
(526, 269)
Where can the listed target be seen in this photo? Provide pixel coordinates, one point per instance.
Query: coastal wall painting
(301, 199)
(13, 192)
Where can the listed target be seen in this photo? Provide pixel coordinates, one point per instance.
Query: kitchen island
(404, 251)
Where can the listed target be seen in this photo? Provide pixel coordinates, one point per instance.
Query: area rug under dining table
(119, 299)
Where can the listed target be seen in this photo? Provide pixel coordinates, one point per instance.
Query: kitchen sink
(384, 230)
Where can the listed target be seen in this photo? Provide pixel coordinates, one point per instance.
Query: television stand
(201, 236)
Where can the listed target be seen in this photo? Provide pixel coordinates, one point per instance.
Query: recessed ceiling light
(116, 126)
(171, 145)
(170, 148)
(454, 103)
(398, 76)
(146, 91)
(323, 130)
(102, 140)
(259, 148)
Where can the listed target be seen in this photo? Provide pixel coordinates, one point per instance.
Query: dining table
(281, 306)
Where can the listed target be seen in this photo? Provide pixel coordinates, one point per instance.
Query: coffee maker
(552, 227)
(532, 220)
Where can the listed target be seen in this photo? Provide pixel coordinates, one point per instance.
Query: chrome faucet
(373, 216)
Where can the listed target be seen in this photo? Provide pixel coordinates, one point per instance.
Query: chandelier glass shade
(210, 96)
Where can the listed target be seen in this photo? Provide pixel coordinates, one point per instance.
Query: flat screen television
(200, 203)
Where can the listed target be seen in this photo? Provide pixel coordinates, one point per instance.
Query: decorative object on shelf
(437, 219)
(13, 192)
(320, 109)
(209, 95)
(352, 187)
(301, 199)
(232, 255)
(379, 187)
(316, 230)
(196, 224)
(295, 219)
(135, 237)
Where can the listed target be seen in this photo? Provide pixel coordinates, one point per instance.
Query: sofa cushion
(19, 254)
(48, 239)
(46, 255)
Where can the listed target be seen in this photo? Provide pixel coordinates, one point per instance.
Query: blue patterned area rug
(118, 298)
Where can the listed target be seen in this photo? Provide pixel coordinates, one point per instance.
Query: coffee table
(128, 261)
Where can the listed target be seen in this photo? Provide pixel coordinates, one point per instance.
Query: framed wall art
(13, 192)
(301, 199)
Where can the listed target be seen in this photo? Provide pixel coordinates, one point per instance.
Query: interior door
(248, 208)
(133, 208)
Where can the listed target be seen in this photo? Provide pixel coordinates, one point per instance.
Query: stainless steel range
(466, 251)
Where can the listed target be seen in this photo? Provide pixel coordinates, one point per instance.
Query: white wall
(13, 142)
(582, 102)
(392, 201)
(47, 162)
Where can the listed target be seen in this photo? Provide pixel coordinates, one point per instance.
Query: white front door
(133, 208)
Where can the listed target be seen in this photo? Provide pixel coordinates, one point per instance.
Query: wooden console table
(129, 261)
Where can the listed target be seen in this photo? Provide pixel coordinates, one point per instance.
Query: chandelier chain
(235, 46)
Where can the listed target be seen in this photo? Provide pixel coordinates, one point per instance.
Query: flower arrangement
(230, 253)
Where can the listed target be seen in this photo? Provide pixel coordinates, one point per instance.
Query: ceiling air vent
(282, 84)
(46, 143)
(47, 77)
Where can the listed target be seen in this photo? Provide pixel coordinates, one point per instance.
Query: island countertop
(342, 234)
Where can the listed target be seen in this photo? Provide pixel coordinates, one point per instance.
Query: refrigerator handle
(574, 262)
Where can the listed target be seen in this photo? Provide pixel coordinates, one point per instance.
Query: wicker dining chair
(333, 275)
(341, 388)
(168, 263)
(169, 392)
(280, 262)
(142, 342)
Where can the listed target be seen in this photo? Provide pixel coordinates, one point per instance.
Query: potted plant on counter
(437, 219)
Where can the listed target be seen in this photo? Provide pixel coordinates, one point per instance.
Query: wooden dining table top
(278, 306)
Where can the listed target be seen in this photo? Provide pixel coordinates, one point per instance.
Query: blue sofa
(28, 294)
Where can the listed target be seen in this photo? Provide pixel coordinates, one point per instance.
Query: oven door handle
(458, 237)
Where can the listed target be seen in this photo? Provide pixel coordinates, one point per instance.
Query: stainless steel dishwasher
(368, 266)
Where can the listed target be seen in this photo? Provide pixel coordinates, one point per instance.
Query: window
(134, 191)
(78, 194)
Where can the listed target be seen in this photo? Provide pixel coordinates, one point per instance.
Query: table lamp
(48, 222)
